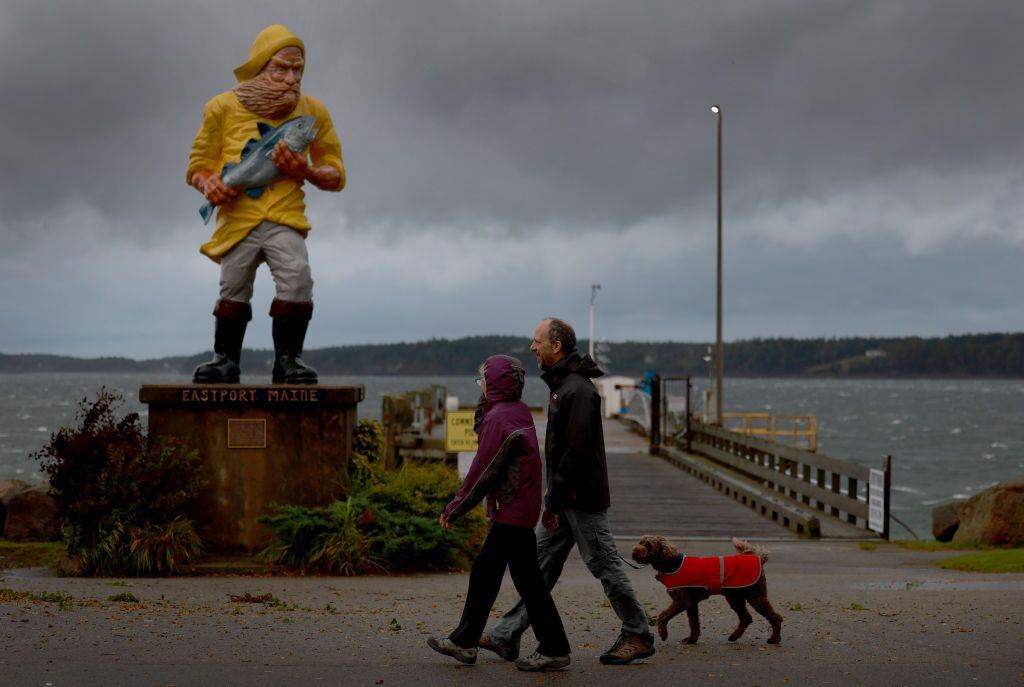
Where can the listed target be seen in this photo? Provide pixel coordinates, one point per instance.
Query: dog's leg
(693, 615)
(739, 604)
(679, 603)
(758, 599)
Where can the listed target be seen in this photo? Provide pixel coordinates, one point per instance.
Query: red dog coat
(714, 573)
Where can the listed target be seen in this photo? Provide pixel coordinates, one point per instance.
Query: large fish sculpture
(256, 167)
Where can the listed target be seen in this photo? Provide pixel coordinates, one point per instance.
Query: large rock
(946, 520)
(32, 515)
(8, 488)
(994, 516)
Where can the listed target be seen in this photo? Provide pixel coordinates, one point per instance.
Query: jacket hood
(573, 363)
(505, 377)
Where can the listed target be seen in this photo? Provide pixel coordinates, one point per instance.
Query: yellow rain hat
(268, 42)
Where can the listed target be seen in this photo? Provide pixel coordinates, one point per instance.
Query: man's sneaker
(508, 650)
(627, 648)
(449, 648)
(538, 661)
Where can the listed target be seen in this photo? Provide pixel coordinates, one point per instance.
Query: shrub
(297, 529)
(389, 524)
(418, 489)
(367, 452)
(345, 550)
(122, 496)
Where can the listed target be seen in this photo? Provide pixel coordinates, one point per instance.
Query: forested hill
(974, 355)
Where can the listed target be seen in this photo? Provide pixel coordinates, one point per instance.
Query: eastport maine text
(249, 395)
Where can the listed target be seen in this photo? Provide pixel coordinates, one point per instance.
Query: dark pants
(516, 548)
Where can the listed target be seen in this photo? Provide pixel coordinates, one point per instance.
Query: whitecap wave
(906, 490)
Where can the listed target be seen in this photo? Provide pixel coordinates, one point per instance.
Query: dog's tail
(743, 546)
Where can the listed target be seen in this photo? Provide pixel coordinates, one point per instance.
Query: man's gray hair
(560, 330)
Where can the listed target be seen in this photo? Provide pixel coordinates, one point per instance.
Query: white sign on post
(876, 501)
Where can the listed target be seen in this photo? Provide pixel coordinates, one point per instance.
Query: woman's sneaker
(507, 650)
(538, 661)
(449, 648)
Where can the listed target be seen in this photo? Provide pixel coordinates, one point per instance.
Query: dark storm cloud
(524, 112)
(504, 131)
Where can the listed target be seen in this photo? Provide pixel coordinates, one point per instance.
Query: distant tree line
(971, 355)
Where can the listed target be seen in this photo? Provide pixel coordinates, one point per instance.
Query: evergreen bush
(122, 496)
(389, 522)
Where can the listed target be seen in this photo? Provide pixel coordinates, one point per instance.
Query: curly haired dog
(690, 580)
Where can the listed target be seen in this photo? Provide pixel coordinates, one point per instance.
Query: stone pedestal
(283, 444)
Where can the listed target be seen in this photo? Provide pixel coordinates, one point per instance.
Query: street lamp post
(718, 337)
(593, 298)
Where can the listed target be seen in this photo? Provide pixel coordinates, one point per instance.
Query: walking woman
(507, 470)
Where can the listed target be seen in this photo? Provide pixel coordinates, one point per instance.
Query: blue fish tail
(206, 212)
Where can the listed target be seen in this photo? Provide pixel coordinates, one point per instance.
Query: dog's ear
(667, 550)
(653, 544)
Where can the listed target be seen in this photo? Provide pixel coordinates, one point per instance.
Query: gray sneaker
(449, 648)
(538, 661)
(508, 650)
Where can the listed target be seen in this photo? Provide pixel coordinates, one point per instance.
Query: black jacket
(577, 472)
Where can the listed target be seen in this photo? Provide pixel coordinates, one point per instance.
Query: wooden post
(851, 491)
(689, 430)
(887, 466)
(806, 469)
(821, 483)
(835, 490)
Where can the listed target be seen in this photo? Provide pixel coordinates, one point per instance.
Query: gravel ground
(881, 617)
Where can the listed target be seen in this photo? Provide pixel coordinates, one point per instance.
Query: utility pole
(718, 337)
(593, 297)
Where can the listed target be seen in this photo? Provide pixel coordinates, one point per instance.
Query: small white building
(615, 391)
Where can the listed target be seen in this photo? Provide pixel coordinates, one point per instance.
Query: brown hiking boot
(627, 648)
(507, 650)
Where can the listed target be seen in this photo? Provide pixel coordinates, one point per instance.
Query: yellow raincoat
(226, 128)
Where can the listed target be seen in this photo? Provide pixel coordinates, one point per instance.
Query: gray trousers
(591, 533)
(284, 251)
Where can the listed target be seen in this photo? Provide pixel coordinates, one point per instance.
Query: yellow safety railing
(799, 431)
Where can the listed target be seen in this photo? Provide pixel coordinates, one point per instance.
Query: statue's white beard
(266, 98)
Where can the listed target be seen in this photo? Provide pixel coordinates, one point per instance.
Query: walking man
(271, 226)
(577, 499)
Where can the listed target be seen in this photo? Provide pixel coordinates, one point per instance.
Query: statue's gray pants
(284, 251)
(597, 548)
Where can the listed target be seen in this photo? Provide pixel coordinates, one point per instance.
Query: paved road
(852, 617)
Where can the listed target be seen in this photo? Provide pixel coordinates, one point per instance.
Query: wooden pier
(653, 495)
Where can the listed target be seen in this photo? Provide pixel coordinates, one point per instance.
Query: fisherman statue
(249, 159)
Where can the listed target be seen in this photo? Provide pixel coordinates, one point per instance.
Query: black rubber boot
(232, 318)
(289, 336)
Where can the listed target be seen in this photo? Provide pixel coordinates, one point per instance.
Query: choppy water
(948, 438)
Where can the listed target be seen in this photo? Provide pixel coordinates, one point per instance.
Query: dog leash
(630, 563)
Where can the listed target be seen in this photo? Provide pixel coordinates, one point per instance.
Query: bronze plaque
(247, 433)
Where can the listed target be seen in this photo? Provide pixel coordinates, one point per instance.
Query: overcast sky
(504, 155)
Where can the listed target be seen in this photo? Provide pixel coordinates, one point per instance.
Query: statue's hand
(211, 186)
(290, 163)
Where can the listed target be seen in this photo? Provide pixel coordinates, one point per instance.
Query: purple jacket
(507, 467)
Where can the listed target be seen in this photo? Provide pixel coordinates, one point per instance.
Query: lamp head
(714, 108)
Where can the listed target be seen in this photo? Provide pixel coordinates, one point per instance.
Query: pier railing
(851, 492)
(800, 431)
